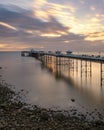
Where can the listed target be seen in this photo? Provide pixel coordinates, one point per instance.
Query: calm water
(54, 87)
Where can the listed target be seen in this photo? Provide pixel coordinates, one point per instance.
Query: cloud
(7, 31)
(27, 24)
(97, 36)
(7, 25)
(23, 29)
(93, 8)
(24, 4)
(62, 12)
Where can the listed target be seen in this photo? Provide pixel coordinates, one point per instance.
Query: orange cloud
(2, 45)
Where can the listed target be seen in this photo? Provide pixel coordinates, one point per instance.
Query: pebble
(73, 100)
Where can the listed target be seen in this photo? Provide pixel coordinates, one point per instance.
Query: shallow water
(52, 87)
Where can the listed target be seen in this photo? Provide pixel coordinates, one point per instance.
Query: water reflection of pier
(102, 74)
(78, 67)
(80, 71)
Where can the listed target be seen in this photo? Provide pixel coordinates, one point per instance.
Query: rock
(73, 100)
(60, 117)
(15, 115)
(13, 129)
(74, 113)
(44, 116)
(98, 123)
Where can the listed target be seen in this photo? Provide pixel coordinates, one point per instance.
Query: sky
(76, 25)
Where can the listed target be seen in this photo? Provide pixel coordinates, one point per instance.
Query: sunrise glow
(52, 23)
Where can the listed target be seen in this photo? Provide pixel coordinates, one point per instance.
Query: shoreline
(15, 115)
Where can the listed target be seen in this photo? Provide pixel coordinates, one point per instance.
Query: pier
(58, 61)
(59, 54)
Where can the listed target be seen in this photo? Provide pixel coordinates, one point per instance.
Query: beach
(17, 115)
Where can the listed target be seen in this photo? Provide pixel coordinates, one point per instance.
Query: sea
(58, 88)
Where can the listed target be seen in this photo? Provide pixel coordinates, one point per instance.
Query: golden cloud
(50, 35)
(88, 25)
(97, 36)
(65, 14)
(8, 26)
(95, 20)
(43, 9)
(2, 45)
(16, 46)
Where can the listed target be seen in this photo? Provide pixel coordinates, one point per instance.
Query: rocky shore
(16, 115)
